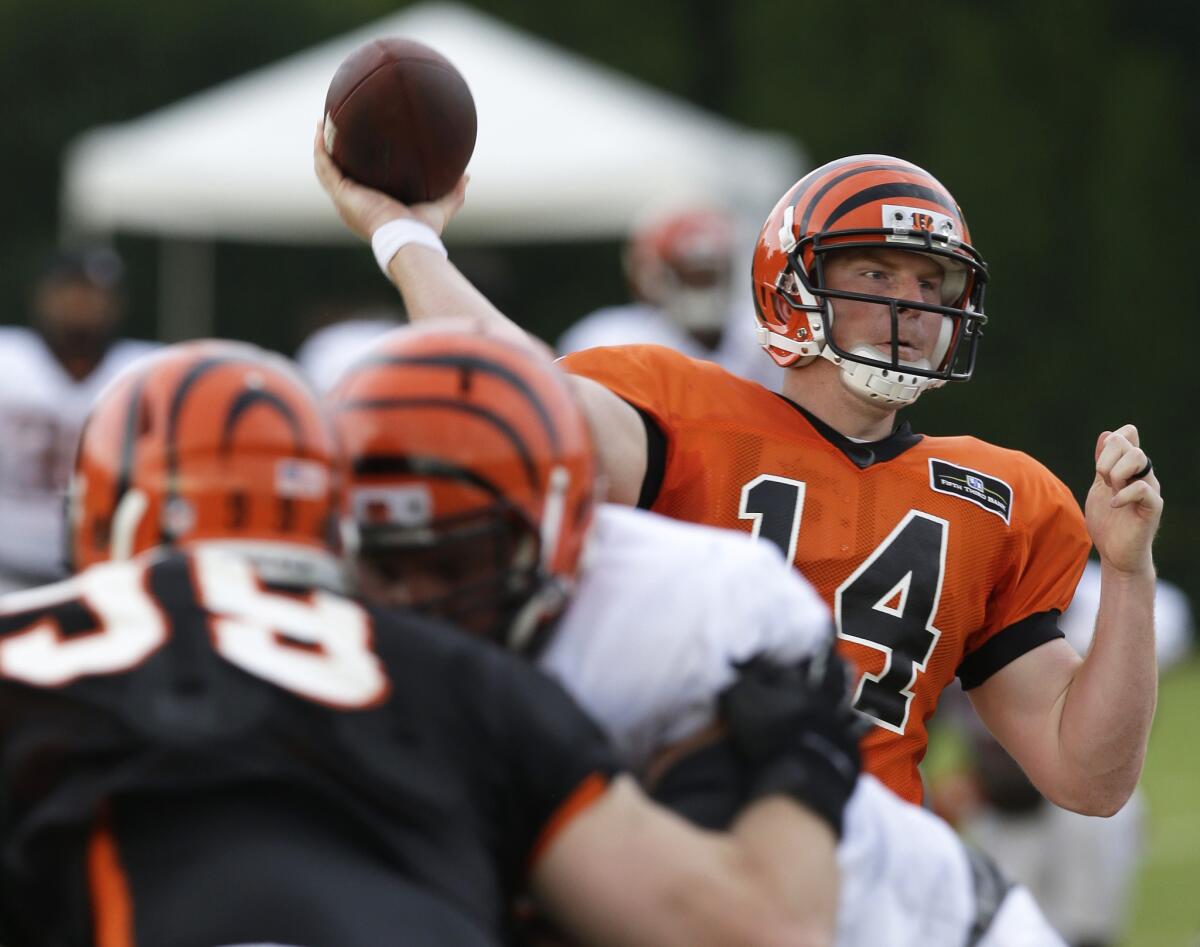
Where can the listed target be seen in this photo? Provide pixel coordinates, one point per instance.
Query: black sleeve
(708, 787)
(656, 459)
(1007, 645)
(547, 746)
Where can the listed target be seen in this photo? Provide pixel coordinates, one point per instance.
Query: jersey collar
(862, 455)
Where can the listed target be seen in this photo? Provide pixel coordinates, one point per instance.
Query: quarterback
(938, 556)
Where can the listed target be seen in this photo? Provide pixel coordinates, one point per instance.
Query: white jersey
(1172, 617)
(329, 351)
(908, 881)
(639, 324)
(662, 611)
(42, 409)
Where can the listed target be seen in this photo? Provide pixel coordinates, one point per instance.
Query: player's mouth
(907, 351)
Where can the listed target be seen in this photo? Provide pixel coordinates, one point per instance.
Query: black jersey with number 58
(174, 719)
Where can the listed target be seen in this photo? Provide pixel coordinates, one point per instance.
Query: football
(400, 118)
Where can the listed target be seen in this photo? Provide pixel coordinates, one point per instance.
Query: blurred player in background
(1081, 869)
(326, 353)
(204, 744)
(49, 375)
(460, 470)
(940, 556)
(680, 267)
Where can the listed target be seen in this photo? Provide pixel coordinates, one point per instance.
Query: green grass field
(1166, 908)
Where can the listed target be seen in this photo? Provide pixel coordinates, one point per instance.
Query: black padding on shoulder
(1007, 645)
(656, 459)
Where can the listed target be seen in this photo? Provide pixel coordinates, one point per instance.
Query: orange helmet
(866, 201)
(472, 479)
(681, 262)
(207, 441)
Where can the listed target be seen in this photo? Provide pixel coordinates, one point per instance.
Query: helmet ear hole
(783, 312)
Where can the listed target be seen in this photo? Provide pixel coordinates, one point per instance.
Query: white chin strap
(881, 385)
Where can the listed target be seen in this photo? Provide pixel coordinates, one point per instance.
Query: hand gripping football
(399, 118)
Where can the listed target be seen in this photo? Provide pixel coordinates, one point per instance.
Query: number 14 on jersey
(888, 602)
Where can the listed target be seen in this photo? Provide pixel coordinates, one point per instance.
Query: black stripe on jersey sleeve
(1007, 645)
(656, 459)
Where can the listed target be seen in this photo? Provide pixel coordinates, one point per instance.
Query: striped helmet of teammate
(472, 479)
(209, 441)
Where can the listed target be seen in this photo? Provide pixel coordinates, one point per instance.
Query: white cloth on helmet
(42, 409)
(662, 610)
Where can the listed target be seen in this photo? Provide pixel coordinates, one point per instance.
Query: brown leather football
(400, 118)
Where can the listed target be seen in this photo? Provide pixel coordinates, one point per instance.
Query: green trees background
(1067, 130)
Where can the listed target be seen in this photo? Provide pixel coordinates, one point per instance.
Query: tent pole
(186, 289)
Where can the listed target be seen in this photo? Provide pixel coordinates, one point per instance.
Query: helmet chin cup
(881, 386)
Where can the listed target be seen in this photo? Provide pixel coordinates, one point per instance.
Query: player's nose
(908, 290)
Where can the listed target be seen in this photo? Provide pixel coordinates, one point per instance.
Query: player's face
(457, 580)
(899, 274)
(77, 313)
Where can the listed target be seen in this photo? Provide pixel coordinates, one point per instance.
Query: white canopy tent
(566, 150)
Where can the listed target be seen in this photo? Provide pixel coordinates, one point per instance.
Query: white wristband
(390, 237)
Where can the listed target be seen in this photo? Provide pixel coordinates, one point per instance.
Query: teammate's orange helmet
(205, 441)
(681, 261)
(472, 478)
(865, 201)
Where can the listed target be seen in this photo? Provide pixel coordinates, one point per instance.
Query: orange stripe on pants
(112, 906)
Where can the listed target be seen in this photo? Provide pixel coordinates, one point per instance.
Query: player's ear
(782, 310)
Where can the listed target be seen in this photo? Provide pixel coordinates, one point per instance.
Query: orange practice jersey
(938, 555)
